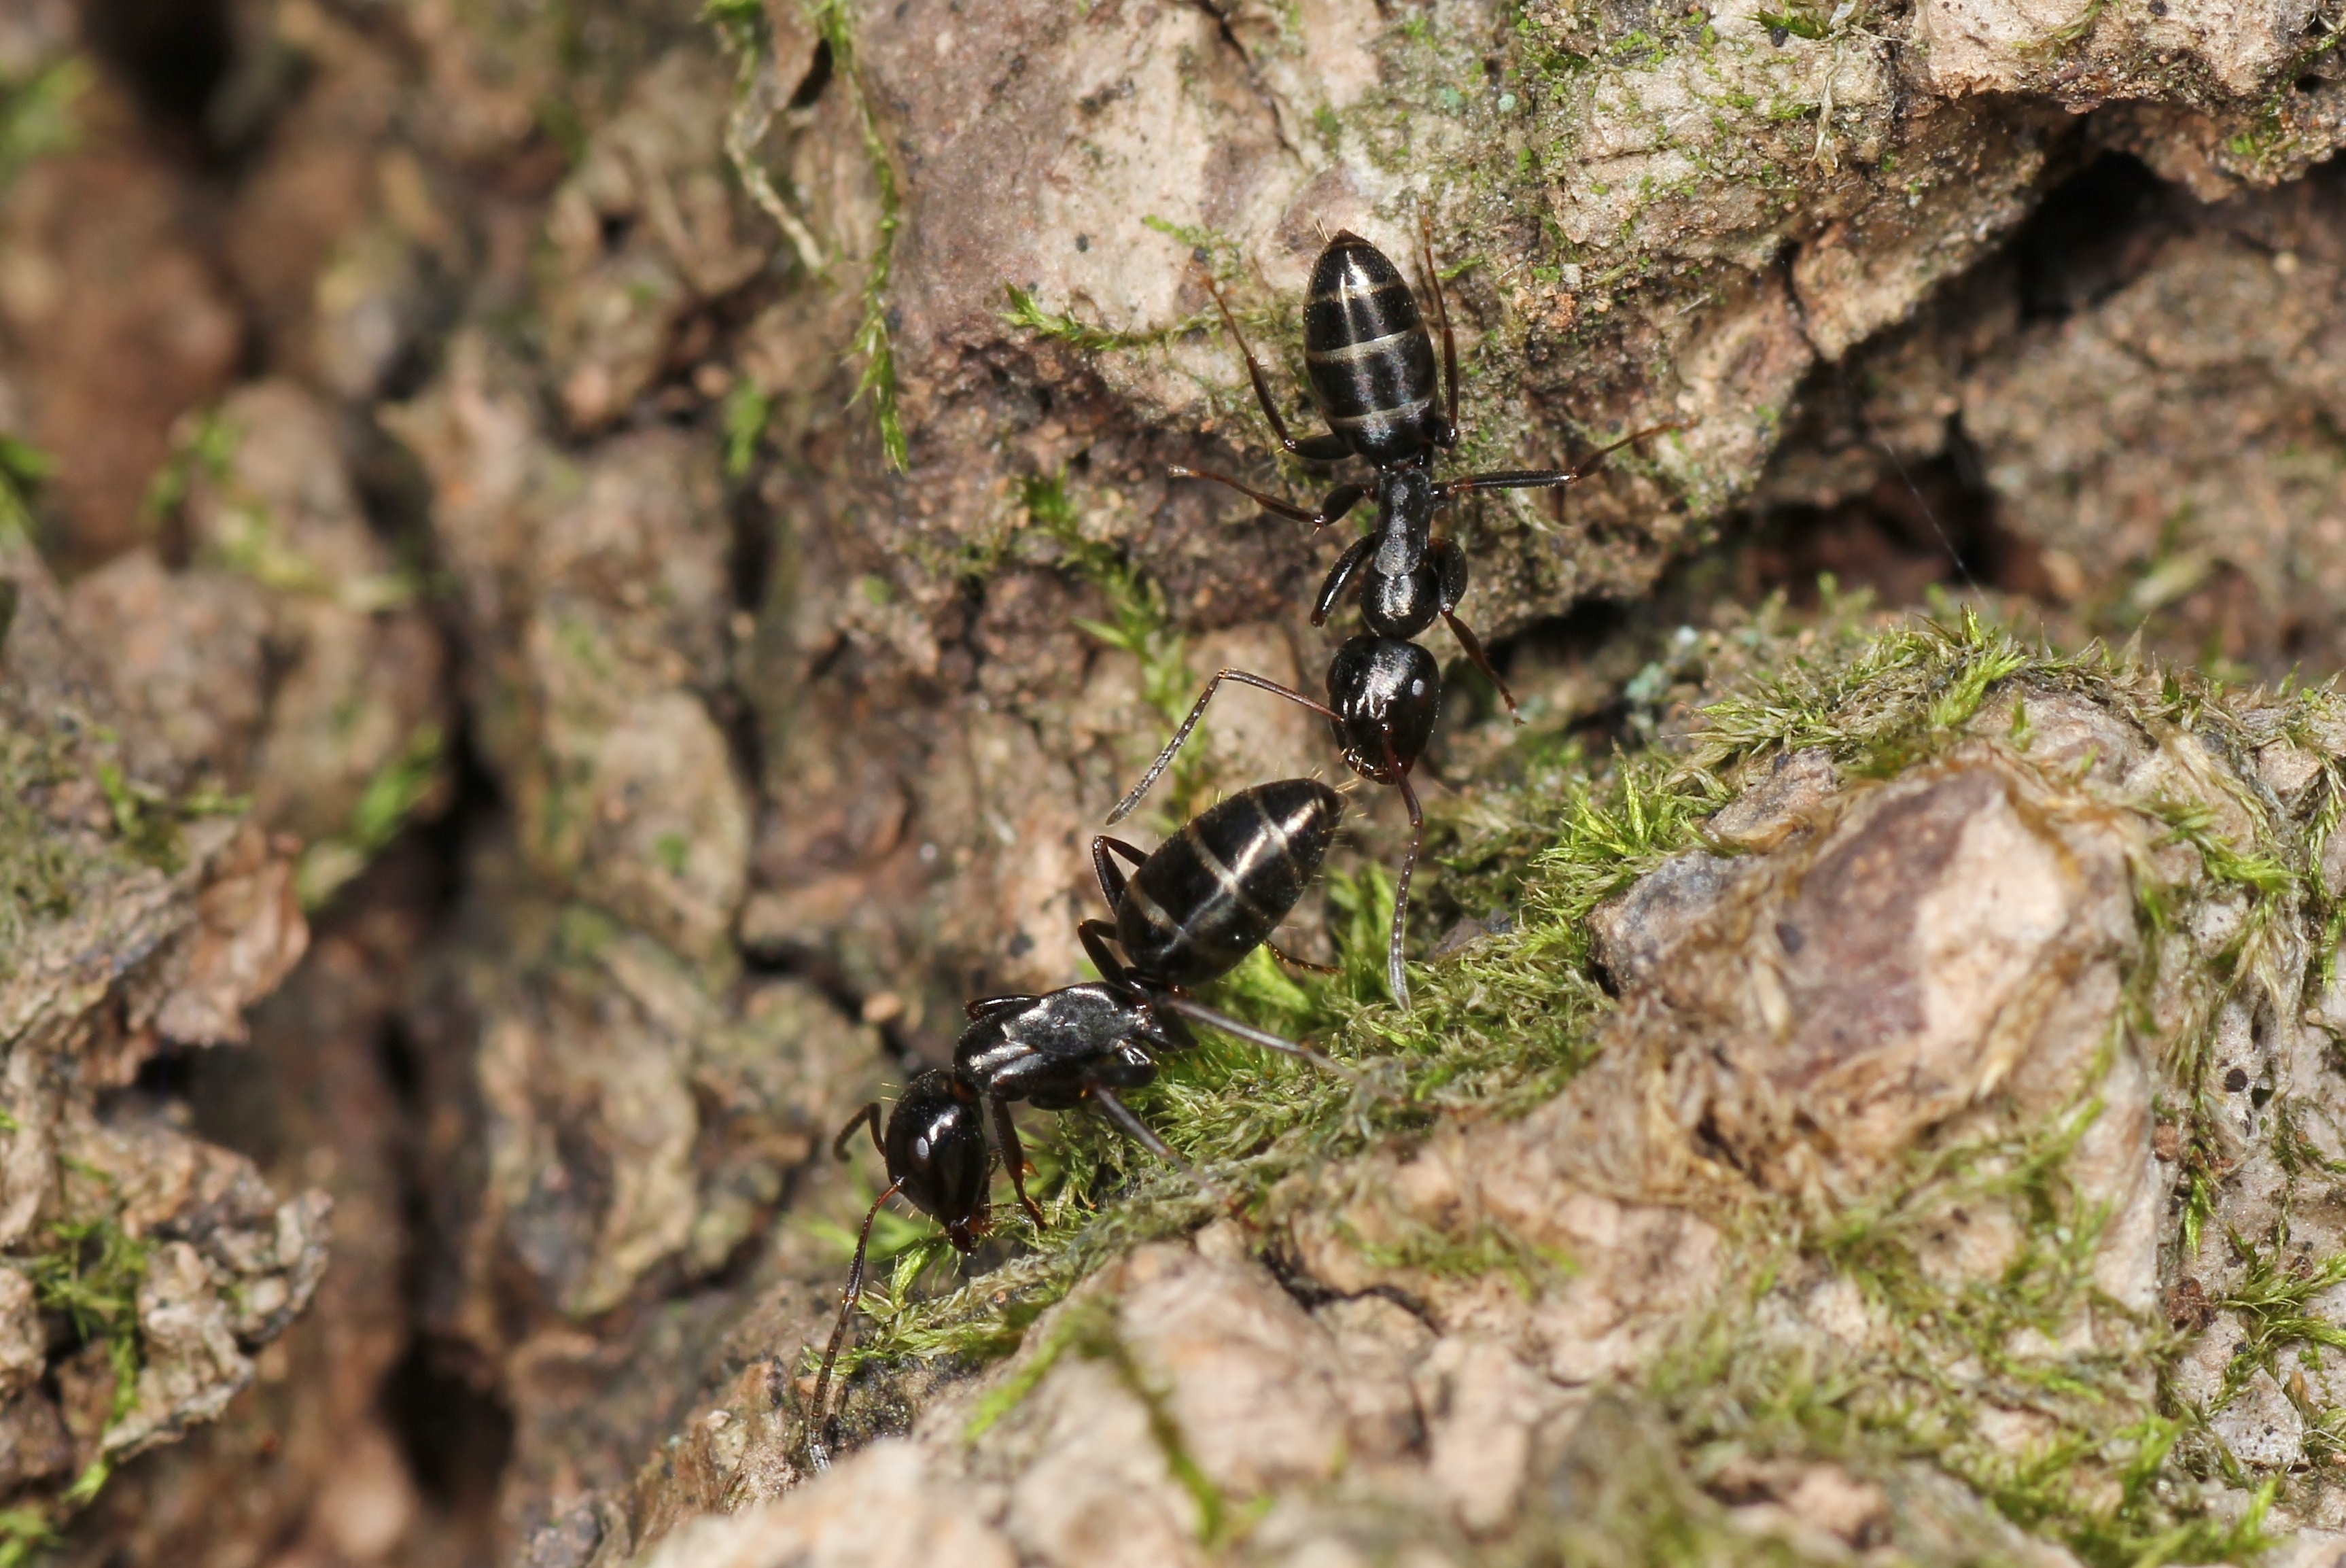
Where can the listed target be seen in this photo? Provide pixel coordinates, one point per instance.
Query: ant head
(938, 1155)
(1387, 693)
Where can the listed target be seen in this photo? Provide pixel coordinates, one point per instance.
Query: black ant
(1371, 360)
(1189, 911)
(938, 1158)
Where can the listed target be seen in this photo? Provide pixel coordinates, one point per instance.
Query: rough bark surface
(1948, 1098)
(613, 558)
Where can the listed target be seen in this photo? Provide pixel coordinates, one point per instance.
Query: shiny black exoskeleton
(1189, 911)
(1387, 694)
(1367, 352)
(1371, 360)
(938, 1160)
(1383, 696)
(1186, 915)
(1216, 891)
(1050, 1050)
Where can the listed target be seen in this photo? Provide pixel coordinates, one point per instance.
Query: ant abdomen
(1369, 357)
(1216, 891)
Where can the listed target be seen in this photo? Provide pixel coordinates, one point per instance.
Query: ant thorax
(1405, 503)
(1052, 1045)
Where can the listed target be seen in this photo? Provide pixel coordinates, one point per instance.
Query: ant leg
(1164, 758)
(1250, 1034)
(1327, 447)
(1542, 478)
(1450, 572)
(1396, 977)
(1014, 1155)
(1137, 1131)
(1339, 576)
(1292, 962)
(1095, 935)
(1111, 879)
(870, 1114)
(1467, 640)
(1312, 446)
(819, 1421)
(1448, 435)
(985, 1006)
(1333, 506)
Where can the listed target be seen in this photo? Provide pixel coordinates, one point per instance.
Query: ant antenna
(1874, 434)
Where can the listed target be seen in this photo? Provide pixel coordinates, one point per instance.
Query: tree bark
(653, 530)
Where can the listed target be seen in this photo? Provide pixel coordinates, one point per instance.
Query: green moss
(1026, 313)
(1089, 1328)
(23, 468)
(39, 867)
(143, 817)
(1085, 1325)
(2100, 1479)
(91, 1278)
(583, 933)
(2193, 823)
(1485, 1250)
(745, 416)
(36, 115)
(2117, 1474)
(2070, 34)
(205, 444)
(871, 341)
(23, 1532)
(1209, 247)
(2271, 1298)
(736, 20)
(391, 798)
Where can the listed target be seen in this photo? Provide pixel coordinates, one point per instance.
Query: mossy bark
(1899, 1114)
(649, 523)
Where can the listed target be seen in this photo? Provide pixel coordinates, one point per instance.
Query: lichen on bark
(143, 1266)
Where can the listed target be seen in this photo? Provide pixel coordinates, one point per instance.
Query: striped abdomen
(1212, 893)
(1367, 350)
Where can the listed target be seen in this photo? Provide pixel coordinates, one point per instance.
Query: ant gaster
(1371, 360)
(1186, 915)
(1190, 909)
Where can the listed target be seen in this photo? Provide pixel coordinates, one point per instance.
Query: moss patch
(90, 1278)
(2115, 1471)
